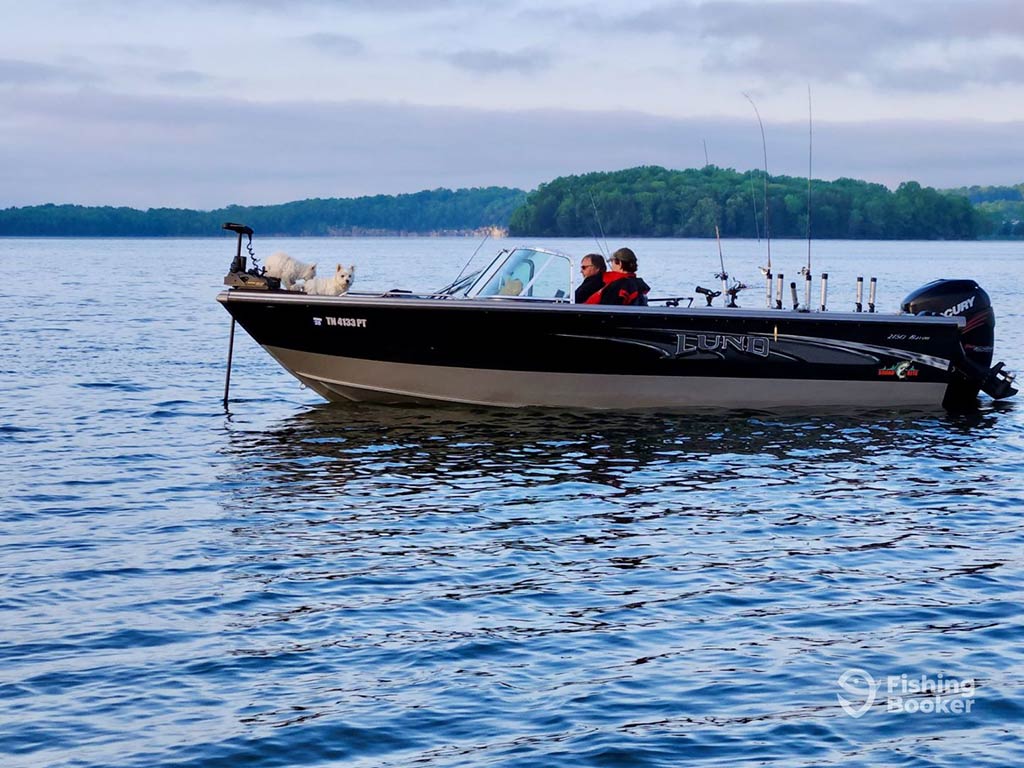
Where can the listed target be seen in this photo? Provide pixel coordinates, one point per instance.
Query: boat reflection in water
(452, 455)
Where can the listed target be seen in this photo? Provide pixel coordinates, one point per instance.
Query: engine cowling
(959, 298)
(965, 298)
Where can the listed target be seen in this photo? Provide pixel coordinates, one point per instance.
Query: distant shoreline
(642, 202)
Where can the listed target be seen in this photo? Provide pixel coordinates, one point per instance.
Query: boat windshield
(529, 273)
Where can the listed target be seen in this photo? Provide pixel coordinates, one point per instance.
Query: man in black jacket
(593, 268)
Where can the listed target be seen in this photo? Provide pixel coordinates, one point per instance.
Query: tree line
(1002, 206)
(654, 201)
(648, 201)
(438, 210)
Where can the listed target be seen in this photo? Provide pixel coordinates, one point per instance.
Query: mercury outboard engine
(974, 371)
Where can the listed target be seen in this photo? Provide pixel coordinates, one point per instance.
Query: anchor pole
(231, 349)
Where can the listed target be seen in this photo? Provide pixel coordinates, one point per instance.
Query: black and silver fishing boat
(510, 336)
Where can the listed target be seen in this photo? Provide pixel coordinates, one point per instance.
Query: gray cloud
(955, 19)
(804, 39)
(848, 40)
(207, 153)
(333, 44)
(19, 72)
(1002, 70)
(374, 6)
(183, 77)
(490, 61)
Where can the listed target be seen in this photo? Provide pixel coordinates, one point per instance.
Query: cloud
(929, 45)
(333, 44)
(183, 77)
(206, 153)
(287, 7)
(490, 61)
(19, 72)
(802, 39)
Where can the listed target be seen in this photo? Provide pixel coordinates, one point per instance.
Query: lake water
(297, 583)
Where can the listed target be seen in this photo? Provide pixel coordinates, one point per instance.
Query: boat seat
(511, 287)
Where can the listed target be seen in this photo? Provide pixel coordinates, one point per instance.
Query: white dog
(332, 286)
(288, 270)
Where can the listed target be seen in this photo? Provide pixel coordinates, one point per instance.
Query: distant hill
(438, 210)
(654, 201)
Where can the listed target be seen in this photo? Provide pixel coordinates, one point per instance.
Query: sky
(205, 103)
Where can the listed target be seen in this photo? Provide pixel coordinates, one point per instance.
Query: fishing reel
(733, 292)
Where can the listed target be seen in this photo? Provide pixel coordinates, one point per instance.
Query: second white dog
(332, 286)
(288, 270)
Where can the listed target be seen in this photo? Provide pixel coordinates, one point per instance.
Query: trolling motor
(238, 276)
(974, 370)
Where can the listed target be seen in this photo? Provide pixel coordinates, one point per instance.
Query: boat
(510, 336)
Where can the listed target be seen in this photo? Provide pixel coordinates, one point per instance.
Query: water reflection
(331, 445)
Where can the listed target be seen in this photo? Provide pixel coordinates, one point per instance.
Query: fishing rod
(469, 261)
(600, 226)
(767, 222)
(810, 155)
(723, 275)
(753, 207)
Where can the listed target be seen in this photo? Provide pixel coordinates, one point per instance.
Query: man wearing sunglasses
(592, 267)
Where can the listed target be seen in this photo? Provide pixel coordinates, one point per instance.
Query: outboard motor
(965, 298)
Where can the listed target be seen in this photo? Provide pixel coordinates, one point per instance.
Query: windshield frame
(508, 254)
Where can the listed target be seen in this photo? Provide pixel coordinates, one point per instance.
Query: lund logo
(963, 306)
(721, 343)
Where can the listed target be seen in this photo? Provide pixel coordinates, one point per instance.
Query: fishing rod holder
(724, 277)
(824, 291)
(708, 294)
(871, 294)
(733, 292)
(859, 304)
(796, 301)
(779, 279)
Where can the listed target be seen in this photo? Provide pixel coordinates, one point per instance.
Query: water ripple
(294, 583)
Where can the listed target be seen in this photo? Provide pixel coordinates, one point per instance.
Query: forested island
(648, 201)
(656, 202)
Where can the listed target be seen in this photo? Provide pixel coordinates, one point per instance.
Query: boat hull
(351, 379)
(517, 353)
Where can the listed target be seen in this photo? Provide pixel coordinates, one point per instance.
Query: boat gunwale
(524, 304)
